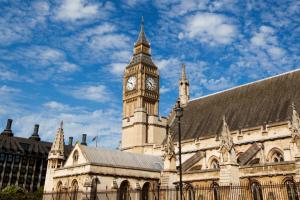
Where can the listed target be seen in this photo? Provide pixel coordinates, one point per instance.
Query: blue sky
(63, 60)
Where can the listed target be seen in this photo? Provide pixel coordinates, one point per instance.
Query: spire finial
(61, 124)
(142, 21)
(293, 105)
(224, 119)
(183, 74)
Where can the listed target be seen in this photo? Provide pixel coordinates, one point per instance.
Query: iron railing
(286, 191)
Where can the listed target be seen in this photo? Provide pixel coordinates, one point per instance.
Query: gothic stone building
(247, 135)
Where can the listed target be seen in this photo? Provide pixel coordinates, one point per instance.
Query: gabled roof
(255, 104)
(116, 158)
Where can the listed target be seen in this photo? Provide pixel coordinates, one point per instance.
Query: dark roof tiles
(250, 105)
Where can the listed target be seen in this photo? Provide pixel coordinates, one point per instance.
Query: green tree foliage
(18, 193)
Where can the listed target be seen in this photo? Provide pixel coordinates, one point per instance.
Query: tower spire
(184, 87)
(57, 149)
(142, 39)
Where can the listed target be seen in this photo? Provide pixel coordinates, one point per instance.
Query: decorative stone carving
(169, 154)
(295, 126)
(169, 148)
(88, 182)
(228, 154)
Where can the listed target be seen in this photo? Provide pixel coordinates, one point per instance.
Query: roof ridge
(246, 84)
(115, 150)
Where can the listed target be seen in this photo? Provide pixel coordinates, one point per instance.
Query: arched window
(75, 157)
(59, 191)
(146, 191)
(124, 191)
(291, 190)
(95, 182)
(189, 192)
(214, 164)
(215, 190)
(256, 191)
(276, 155)
(74, 190)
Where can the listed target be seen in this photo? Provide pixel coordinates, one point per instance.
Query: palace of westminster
(246, 135)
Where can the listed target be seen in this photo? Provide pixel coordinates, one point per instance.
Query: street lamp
(179, 113)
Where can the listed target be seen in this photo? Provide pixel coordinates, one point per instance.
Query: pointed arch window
(75, 157)
(291, 189)
(214, 164)
(256, 191)
(146, 191)
(124, 191)
(59, 191)
(189, 192)
(74, 190)
(276, 156)
(215, 190)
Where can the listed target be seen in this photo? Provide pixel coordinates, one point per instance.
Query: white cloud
(42, 63)
(4, 89)
(98, 93)
(19, 19)
(68, 67)
(265, 38)
(164, 90)
(132, 3)
(210, 28)
(217, 84)
(118, 68)
(55, 105)
(99, 43)
(262, 55)
(76, 9)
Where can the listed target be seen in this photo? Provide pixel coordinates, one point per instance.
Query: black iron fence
(254, 191)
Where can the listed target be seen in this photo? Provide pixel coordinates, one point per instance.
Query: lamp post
(179, 113)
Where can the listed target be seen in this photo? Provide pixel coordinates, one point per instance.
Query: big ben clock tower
(141, 127)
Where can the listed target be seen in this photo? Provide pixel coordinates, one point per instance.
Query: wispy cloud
(4, 89)
(56, 105)
(43, 63)
(95, 92)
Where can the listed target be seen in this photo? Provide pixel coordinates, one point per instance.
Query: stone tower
(141, 123)
(56, 156)
(184, 88)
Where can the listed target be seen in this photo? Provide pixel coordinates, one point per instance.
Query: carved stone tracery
(228, 154)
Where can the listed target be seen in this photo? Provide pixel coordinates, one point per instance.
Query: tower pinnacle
(184, 88)
(183, 74)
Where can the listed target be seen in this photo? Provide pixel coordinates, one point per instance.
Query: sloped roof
(115, 158)
(192, 160)
(245, 157)
(265, 101)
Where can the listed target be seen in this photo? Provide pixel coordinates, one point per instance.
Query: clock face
(151, 83)
(131, 82)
